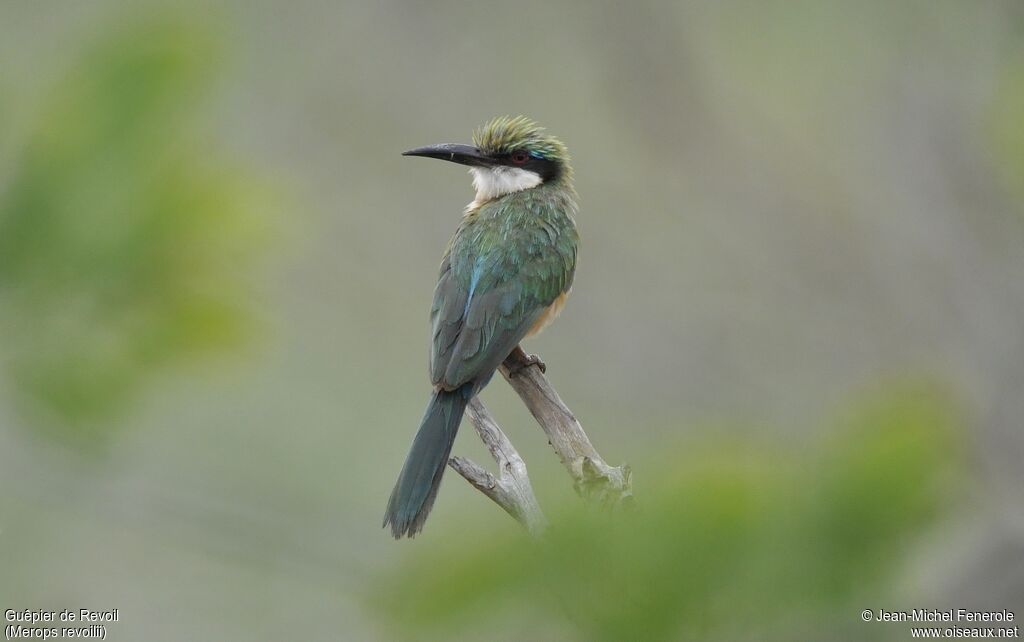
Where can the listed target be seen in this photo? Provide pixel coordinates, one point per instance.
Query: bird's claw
(525, 361)
(534, 360)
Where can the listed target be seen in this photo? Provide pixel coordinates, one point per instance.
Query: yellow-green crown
(507, 133)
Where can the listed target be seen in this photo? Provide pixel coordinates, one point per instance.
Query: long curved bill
(454, 153)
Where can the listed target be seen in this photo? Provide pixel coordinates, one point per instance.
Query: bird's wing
(446, 315)
(485, 303)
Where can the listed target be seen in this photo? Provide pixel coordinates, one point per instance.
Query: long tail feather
(417, 484)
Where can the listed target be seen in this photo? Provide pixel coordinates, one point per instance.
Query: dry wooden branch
(511, 489)
(593, 479)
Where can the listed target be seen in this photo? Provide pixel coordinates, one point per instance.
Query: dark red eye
(519, 157)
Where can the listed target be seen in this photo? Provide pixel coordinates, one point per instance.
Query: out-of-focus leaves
(726, 542)
(123, 237)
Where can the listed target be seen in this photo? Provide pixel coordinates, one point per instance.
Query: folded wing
(485, 303)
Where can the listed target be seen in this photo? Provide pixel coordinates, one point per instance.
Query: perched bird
(505, 275)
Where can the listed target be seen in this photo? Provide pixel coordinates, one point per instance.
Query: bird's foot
(534, 360)
(518, 360)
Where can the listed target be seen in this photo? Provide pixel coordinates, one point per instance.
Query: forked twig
(593, 478)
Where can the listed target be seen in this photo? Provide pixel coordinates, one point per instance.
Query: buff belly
(549, 315)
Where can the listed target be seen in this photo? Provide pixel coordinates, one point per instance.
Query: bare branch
(594, 479)
(511, 489)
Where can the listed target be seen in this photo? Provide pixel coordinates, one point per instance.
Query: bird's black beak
(455, 153)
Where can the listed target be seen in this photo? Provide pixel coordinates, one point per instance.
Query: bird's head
(507, 155)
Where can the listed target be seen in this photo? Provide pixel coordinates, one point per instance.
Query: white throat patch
(494, 182)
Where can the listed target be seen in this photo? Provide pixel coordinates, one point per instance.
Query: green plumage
(507, 133)
(509, 260)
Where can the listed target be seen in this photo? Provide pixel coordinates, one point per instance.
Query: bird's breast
(549, 315)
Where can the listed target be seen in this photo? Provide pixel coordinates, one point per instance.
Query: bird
(505, 275)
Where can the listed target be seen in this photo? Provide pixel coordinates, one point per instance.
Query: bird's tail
(417, 484)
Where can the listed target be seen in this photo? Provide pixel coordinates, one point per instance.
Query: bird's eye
(519, 157)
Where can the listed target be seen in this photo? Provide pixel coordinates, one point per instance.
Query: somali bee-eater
(505, 276)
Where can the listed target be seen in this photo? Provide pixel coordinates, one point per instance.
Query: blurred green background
(798, 315)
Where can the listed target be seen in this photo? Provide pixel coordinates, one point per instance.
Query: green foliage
(726, 542)
(122, 236)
